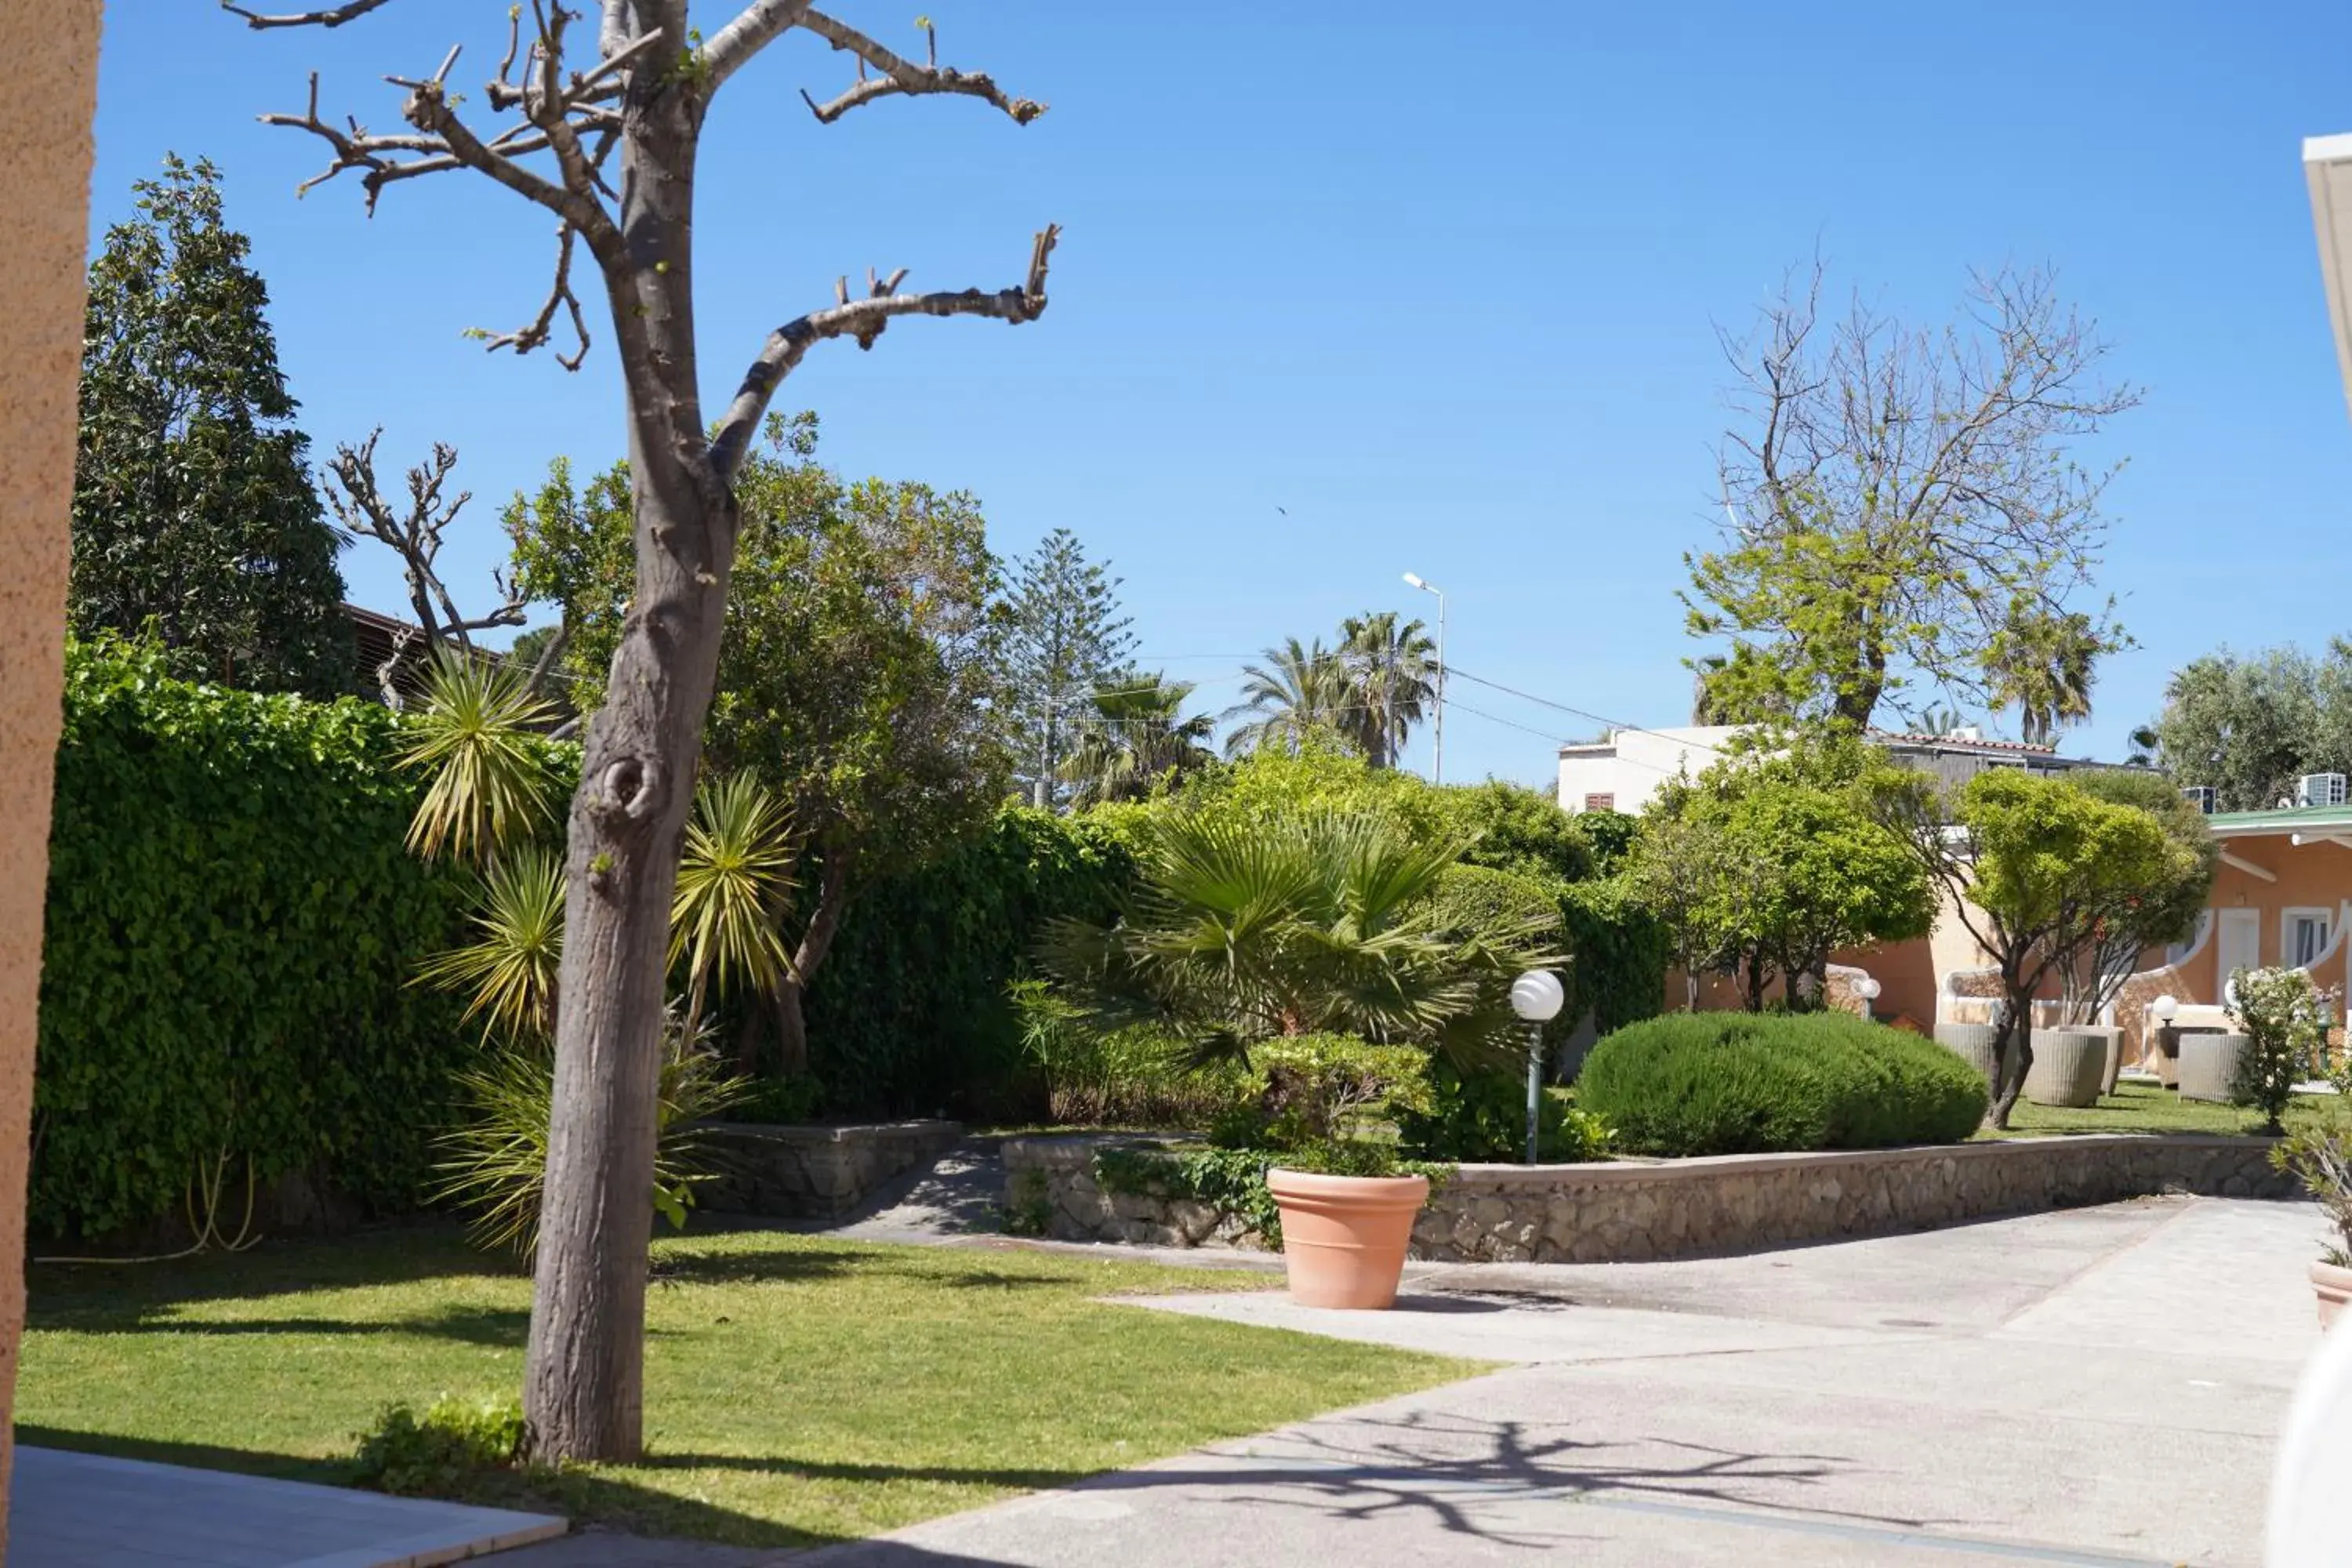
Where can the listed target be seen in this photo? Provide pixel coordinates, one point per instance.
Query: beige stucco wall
(45, 155)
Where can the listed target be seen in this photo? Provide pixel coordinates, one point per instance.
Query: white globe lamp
(1536, 997)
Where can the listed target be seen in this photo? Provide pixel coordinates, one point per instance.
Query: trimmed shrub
(232, 923)
(1737, 1083)
(1482, 1117)
(1620, 948)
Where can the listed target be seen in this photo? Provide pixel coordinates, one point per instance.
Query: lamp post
(1438, 749)
(1866, 989)
(2165, 1008)
(1536, 997)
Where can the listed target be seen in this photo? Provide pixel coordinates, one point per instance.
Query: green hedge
(231, 923)
(1733, 1083)
(1620, 948)
(911, 1015)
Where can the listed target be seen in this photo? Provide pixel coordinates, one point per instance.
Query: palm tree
(2042, 662)
(1389, 666)
(1297, 692)
(1239, 931)
(1135, 743)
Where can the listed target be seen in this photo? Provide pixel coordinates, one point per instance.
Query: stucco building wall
(45, 158)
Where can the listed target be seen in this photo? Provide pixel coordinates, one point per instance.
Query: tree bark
(583, 1371)
(816, 942)
(2016, 1031)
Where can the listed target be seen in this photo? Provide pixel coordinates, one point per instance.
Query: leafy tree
(2125, 926)
(854, 683)
(193, 506)
(1897, 499)
(1137, 741)
(1770, 860)
(1514, 828)
(1291, 696)
(2041, 663)
(2249, 726)
(1390, 668)
(2034, 856)
(1065, 640)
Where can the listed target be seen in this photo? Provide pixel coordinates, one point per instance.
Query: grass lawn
(798, 1390)
(2137, 1107)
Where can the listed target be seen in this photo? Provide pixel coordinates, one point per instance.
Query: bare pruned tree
(413, 532)
(1901, 502)
(603, 132)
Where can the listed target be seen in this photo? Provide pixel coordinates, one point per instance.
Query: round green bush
(1741, 1083)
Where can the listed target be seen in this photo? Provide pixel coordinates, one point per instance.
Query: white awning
(2327, 168)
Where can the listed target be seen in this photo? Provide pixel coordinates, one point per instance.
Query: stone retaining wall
(1630, 1211)
(815, 1173)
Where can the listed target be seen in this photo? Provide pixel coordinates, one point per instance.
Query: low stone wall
(1630, 1211)
(815, 1173)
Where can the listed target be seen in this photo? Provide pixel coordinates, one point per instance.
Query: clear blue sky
(1441, 282)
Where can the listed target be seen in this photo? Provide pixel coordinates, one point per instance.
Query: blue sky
(1442, 283)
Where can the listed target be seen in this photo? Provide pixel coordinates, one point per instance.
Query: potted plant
(2322, 1162)
(1347, 1210)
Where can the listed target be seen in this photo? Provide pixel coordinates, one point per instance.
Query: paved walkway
(2095, 1387)
(82, 1510)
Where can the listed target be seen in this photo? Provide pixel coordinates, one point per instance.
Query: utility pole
(1437, 747)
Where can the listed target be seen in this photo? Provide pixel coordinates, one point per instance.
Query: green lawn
(798, 1390)
(2150, 1107)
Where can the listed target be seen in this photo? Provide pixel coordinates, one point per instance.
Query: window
(1601, 803)
(2303, 936)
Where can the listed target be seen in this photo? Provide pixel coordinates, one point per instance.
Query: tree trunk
(1756, 982)
(583, 1371)
(2015, 1044)
(825, 923)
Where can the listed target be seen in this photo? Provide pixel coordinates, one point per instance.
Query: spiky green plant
(477, 734)
(494, 1163)
(510, 970)
(734, 870)
(1240, 932)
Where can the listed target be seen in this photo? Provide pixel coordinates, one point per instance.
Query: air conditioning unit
(2319, 789)
(2202, 795)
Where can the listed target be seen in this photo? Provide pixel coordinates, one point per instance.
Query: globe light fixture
(1866, 989)
(2166, 1007)
(1536, 997)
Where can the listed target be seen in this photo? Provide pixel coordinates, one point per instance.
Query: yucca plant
(476, 733)
(494, 1161)
(734, 869)
(511, 969)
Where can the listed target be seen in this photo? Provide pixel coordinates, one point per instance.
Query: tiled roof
(1958, 743)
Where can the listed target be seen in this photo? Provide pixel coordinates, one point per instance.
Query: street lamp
(1536, 997)
(2166, 1043)
(1437, 750)
(1867, 989)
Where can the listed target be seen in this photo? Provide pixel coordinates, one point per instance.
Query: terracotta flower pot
(2334, 1284)
(1344, 1238)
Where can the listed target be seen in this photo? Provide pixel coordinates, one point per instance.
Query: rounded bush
(1744, 1083)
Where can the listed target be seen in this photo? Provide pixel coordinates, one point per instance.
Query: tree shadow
(500, 1327)
(407, 1253)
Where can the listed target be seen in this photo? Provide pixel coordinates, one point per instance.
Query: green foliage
(232, 920)
(1238, 932)
(435, 1454)
(1135, 745)
(2285, 1018)
(1732, 1083)
(2043, 844)
(494, 1161)
(1482, 1117)
(511, 964)
(2247, 726)
(193, 506)
(1621, 950)
(1389, 665)
(734, 871)
(914, 1015)
(2321, 1159)
(1611, 836)
(1232, 1180)
(1141, 1076)
(1299, 698)
(1524, 831)
(2130, 919)
(475, 734)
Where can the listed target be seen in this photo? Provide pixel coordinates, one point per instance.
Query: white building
(1621, 772)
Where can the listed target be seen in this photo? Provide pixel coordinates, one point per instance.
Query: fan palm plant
(1136, 739)
(1240, 932)
(510, 968)
(734, 870)
(1297, 691)
(2042, 663)
(1392, 668)
(476, 732)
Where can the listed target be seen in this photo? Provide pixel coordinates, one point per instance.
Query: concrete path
(84, 1510)
(2095, 1387)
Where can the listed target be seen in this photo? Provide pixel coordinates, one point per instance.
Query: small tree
(1065, 640)
(2285, 1018)
(2021, 858)
(192, 505)
(2125, 925)
(605, 136)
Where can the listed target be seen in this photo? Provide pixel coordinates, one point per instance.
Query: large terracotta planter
(2069, 1064)
(2334, 1287)
(2208, 1065)
(1344, 1238)
(1973, 1044)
